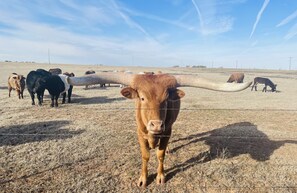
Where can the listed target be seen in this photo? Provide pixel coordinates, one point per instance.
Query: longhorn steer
(157, 107)
(16, 82)
(236, 77)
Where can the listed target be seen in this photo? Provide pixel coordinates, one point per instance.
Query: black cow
(34, 79)
(266, 81)
(55, 85)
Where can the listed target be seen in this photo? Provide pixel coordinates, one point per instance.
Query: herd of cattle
(57, 83)
(156, 95)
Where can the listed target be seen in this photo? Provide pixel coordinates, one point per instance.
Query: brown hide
(236, 77)
(16, 82)
(157, 107)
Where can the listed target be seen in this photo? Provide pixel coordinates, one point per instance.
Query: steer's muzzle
(155, 126)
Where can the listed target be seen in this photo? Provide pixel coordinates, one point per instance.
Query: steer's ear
(176, 94)
(129, 93)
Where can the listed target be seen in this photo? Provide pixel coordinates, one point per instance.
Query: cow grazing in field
(157, 100)
(55, 71)
(266, 82)
(34, 80)
(236, 77)
(16, 82)
(69, 92)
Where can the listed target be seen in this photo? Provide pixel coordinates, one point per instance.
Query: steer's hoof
(160, 179)
(142, 182)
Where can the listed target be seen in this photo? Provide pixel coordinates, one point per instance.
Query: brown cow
(16, 82)
(157, 107)
(236, 77)
(55, 71)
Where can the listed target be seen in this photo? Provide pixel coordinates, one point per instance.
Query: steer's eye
(141, 98)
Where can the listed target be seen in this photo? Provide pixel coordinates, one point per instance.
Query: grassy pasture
(222, 142)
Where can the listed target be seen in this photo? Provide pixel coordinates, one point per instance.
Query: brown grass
(221, 142)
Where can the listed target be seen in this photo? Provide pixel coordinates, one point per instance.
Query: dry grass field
(222, 142)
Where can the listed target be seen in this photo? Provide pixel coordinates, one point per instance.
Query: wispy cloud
(178, 23)
(266, 2)
(131, 22)
(212, 22)
(292, 32)
(287, 19)
(199, 14)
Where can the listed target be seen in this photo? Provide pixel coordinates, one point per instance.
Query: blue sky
(214, 33)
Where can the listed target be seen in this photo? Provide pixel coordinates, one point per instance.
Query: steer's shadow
(231, 141)
(34, 132)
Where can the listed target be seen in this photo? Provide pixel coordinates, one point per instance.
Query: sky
(259, 34)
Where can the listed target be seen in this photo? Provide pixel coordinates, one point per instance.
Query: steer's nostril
(152, 124)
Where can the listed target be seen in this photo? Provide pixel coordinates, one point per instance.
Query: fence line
(206, 135)
(181, 109)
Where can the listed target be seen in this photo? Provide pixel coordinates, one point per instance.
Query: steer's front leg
(145, 154)
(161, 156)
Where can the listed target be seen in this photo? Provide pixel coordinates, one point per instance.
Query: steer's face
(152, 98)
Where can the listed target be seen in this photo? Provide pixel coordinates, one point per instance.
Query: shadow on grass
(34, 132)
(3, 88)
(227, 142)
(96, 100)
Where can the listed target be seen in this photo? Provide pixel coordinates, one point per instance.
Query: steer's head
(152, 93)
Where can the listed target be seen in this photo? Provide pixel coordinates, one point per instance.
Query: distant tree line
(188, 66)
(18, 61)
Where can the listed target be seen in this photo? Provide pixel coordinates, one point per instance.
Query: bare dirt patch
(221, 142)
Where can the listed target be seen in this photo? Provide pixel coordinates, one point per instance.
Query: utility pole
(236, 64)
(290, 63)
(49, 58)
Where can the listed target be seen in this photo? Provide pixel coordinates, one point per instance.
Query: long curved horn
(101, 78)
(194, 81)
